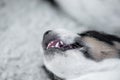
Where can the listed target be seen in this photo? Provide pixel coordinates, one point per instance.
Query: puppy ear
(101, 44)
(117, 45)
(108, 38)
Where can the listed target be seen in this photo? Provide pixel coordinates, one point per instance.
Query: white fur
(105, 75)
(67, 36)
(73, 65)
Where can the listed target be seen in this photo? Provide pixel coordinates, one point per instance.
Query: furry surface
(98, 14)
(22, 24)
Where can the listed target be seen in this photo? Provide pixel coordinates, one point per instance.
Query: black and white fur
(93, 56)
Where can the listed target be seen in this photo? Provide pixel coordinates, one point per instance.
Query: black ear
(101, 36)
(50, 74)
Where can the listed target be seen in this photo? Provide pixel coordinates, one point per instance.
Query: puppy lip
(55, 44)
(61, 45)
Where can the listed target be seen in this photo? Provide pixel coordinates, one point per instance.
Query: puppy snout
(47, 32)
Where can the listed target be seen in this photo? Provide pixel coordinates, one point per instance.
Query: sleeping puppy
(89, 55)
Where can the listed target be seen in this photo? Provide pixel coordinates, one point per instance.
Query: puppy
(89, 55)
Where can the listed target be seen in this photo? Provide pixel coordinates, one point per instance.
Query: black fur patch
(50, 74)
(101, 36)
(87, 55)
(52, 2)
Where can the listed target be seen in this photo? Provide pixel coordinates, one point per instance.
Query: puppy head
(70, 55)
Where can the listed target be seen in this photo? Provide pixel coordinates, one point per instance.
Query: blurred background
(23, 22)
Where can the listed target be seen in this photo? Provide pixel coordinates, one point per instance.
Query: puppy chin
(72, 64)
(65, 64)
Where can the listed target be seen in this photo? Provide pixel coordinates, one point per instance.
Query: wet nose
(47, 32)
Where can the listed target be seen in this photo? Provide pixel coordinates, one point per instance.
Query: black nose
(47, 32)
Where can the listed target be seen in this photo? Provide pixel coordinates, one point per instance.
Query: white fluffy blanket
(22, 24)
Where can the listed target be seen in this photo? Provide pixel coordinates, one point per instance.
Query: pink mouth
(59, 44)
(55, 44)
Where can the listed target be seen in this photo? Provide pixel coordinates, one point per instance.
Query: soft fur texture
(22, 25)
